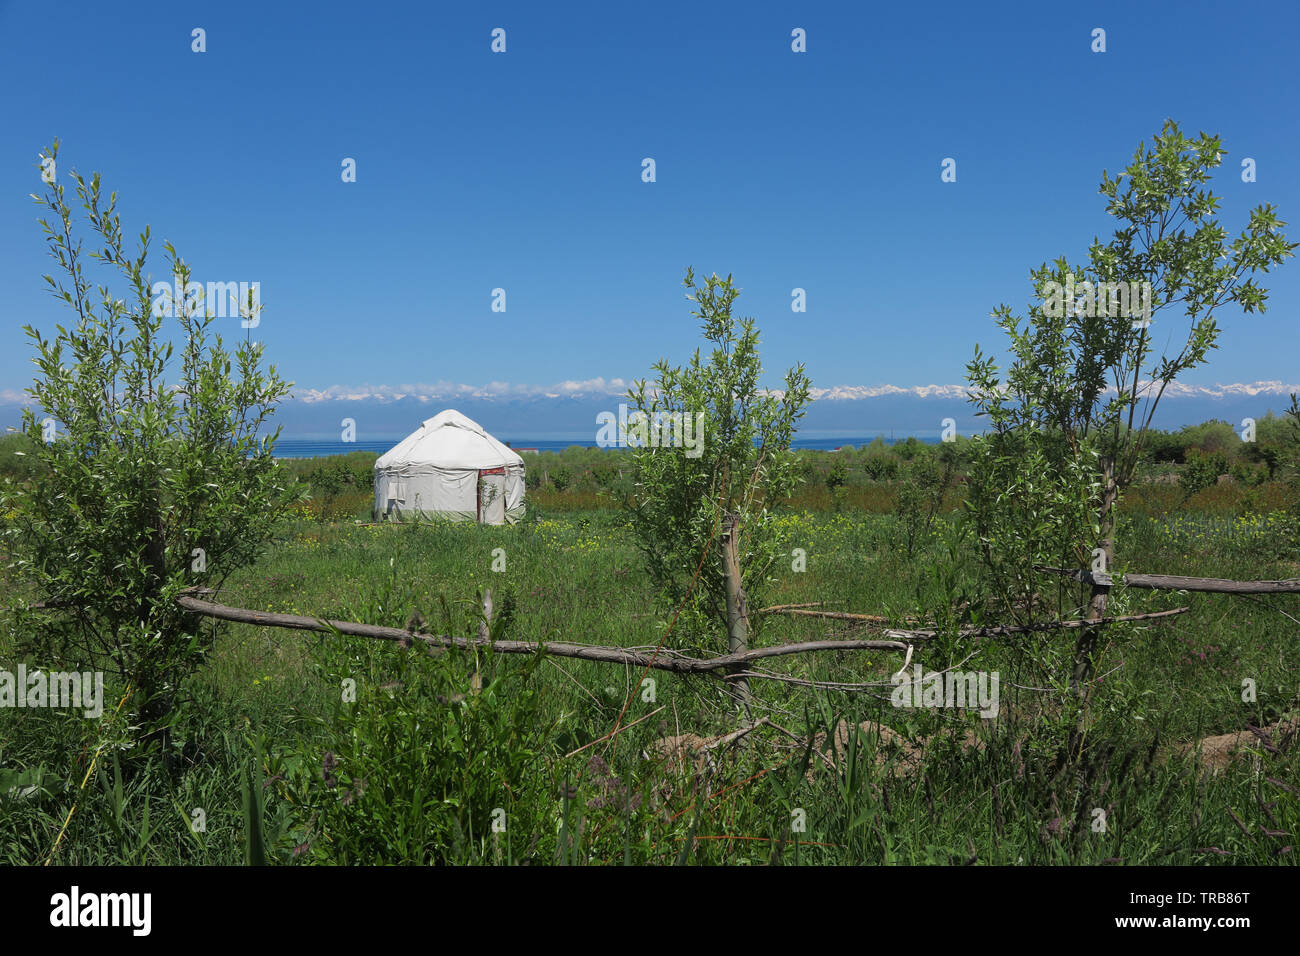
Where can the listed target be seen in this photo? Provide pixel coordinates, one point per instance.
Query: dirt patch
(1217, 752)
(885, 745)
(681, 751)
(882, 745)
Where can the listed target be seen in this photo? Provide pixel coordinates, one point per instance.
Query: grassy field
(309, 748)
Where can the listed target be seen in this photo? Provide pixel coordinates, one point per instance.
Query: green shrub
(1202, 470)
(422, 768)
(161, 474)
(742, 463)
(880, 466)
(1250, 475)
(838, 474)
(17, 459)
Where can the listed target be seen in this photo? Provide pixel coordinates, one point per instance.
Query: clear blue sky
(523, 170)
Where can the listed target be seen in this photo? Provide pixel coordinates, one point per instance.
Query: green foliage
(17, 459)
(1211, 436)
(342, 473)
(1288, 455)
(254, 806)
(743, 466)
(421, 765)
(1053, 408)
(925, 479)
(838, 474)
(571, 575)
(1060, 451)
(1031, 504)
(1288, 438)
(337, 488)
(880, 465)
(1202, 470)
(154, 458)
(909, 448)
(1163, 447)
(1270, 444)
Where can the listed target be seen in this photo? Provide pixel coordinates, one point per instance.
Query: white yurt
(450, 467)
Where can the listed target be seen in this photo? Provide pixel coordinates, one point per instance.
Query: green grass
(266, 708)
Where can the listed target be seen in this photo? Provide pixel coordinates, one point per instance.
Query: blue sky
(522, 171)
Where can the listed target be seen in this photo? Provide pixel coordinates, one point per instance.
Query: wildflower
(358, 789)
(328, 766)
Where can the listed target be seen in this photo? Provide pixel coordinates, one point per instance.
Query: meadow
(301, 748)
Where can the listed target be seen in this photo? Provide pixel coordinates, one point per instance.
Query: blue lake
(319, 448)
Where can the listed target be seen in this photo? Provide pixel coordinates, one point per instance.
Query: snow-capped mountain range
(568, 409)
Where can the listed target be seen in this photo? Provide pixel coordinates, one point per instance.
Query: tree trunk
(153, 669)
(1085, 648)
(737, 606)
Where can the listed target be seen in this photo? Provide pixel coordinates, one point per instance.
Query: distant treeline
(1193, 458)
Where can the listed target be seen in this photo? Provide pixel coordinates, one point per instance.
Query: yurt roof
(450, 440)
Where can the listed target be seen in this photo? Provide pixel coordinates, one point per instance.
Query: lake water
(319, 448)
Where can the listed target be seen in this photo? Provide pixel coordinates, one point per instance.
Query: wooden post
(737, 606)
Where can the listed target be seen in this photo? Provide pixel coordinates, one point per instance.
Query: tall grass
(421, 762)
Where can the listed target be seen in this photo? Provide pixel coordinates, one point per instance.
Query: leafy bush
(1202, 470)
(1250, 475)
(743, 466)
(18, 459)
(880, 466)
(920, 495)
(439, 759)
(340, 474)
(838, 474)
(159, 477)
(909, 448)
(1072, 438)
(1208, 437)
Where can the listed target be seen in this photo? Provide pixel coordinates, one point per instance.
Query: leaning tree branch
(833, 615)
(588, 652)
(1173, 582)
(1008, 629)
(677, 664)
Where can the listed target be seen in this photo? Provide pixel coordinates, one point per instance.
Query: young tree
(1289, 454)
(925, 480)
(691, 503)
(153, 474)
(1068, 424)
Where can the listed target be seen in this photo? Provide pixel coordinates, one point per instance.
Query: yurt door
(492, 496)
